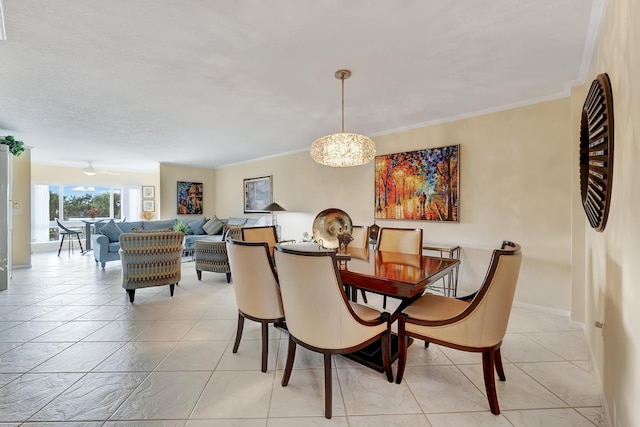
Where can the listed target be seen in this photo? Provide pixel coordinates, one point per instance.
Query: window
(71, 204)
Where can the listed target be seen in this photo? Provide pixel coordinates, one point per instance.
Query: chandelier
(343, 149)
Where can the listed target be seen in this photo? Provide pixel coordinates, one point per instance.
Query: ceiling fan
(90, 170)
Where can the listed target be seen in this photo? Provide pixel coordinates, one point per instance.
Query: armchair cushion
(112, 231)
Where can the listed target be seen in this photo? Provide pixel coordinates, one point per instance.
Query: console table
(450, 281)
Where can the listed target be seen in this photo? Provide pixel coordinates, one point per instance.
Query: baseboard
(598, 377)
(20, 267)
(545, 309)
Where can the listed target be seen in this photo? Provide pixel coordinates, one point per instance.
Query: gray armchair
(212, 256)
(150, 259)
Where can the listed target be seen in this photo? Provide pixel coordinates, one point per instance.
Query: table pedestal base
(371, 355)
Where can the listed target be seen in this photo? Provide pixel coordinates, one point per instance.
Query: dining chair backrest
(488, 312)
(261, 234)
(314, 300)
(65, 229)
(254, 279)
(402, 240)
(360, 234)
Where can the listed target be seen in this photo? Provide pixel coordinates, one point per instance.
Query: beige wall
(515, 184)
(169, 177)
(612, 257)
(578, 218)
(21, 194)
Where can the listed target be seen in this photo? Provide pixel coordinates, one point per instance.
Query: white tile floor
(75, 352)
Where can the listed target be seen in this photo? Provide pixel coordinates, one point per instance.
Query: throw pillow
(196, 225)
(112, 231)
(213, 226)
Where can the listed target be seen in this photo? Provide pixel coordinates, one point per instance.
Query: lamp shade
(274, 207)
(343, 150)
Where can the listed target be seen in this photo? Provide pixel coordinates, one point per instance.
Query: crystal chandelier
(343, 149)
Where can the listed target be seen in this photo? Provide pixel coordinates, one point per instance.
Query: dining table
(396, 275)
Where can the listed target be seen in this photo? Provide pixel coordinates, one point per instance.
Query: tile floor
(75, 352)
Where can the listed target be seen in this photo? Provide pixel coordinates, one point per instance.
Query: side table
(450, 281)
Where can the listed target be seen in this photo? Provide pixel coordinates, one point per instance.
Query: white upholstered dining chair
(319, 316)
(476, 323)
(256, 288)
(261, 234)
(399, 240)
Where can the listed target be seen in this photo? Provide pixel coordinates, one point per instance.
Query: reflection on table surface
(389, 273)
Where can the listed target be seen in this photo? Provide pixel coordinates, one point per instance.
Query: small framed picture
(148, 192)
(149, 205)
(258, 194)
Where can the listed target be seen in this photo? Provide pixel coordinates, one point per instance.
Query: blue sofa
(106, 244)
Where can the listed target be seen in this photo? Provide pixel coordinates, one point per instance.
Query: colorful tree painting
(418, 185)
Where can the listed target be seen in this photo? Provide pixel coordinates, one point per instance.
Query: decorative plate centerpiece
(329, 225)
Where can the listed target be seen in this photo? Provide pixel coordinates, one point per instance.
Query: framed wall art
(189, 198)
(149, 205)
(258, 194)
(148, 192)
(418, 185)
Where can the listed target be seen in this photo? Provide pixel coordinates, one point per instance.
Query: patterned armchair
(150, 259)
(212, 256)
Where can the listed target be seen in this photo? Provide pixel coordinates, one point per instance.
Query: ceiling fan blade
(106, 172)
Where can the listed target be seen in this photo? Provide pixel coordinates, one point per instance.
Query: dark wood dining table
(395, 275)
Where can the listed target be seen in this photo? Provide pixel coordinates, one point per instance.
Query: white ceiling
(127, 84)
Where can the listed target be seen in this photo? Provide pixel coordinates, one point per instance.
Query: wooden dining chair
(256, 288)
(261, 234)
(319, 316)
(476, 323)
(400, 240)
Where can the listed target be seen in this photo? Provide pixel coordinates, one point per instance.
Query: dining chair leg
(499, 368)
(265, 345)
(291, 355)
(488, 363)
(132, 294)
(402, 347)
(386, 355)
(328, 395)
(61, 243)
(238, 332)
